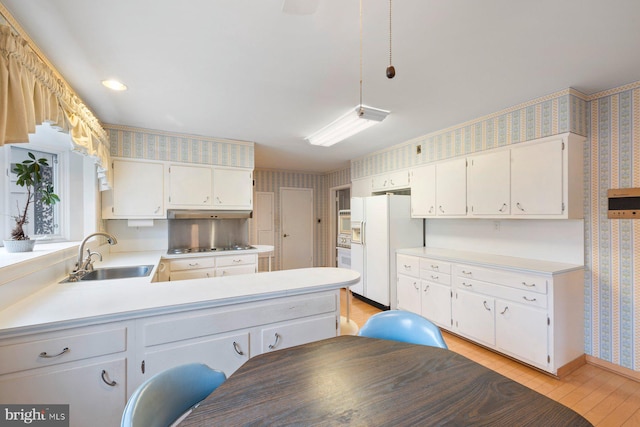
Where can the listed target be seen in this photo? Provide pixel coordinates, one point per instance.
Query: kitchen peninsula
(90, 344)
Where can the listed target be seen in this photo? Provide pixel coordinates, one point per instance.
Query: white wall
(133, 239)
(552, 240)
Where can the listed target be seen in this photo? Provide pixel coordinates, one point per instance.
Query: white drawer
(524, 281)
(409, 265)
(232, 271)
(534, 299)
(55, 348)
(192, 263)
(435, 265)
(433, 276)
(231, 260)
(201, 273)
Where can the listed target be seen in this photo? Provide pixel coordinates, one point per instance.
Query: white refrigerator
(379, 226)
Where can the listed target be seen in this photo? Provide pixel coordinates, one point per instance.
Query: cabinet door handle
(107, 381)
(426, 289)
(502, 209)
(519, 206)
(505, 310)
(415, 285)
(219, 201)
(275, 343)
(44, 354)
(157, 210)
(206, 200)
(237, 348)
(485, 306)
(391, 182)
(532, 285)
(529, 299)
(430, 209)
(441, 210)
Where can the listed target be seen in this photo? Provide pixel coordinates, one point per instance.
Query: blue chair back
(163, 398)
(399, 325)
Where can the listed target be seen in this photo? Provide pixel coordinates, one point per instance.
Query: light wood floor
(602, 397)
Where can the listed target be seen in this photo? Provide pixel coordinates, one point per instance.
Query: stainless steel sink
(117, 273)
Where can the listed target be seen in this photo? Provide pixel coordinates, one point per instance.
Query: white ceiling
(244, 69)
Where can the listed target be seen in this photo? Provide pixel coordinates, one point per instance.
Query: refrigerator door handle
(363, 233)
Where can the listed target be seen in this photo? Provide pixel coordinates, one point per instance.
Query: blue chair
(165, 397)
(399, 325)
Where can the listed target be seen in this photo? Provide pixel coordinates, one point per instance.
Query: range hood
(206, 214)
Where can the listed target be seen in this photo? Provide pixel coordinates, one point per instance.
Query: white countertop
(68, 304)
(466, 257)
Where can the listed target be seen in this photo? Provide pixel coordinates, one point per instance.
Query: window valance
(32, 94)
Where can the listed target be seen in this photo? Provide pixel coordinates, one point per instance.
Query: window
(44, 220)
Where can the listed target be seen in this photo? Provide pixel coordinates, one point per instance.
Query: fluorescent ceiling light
(114, 85)
(356, 120)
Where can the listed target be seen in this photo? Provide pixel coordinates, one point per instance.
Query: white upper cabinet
(138, 190)
(451, 188)
(232, 188)
(190, 186)
(537, 179)
(361, 187)
(423, 191)
(488, 183)
(390, 181)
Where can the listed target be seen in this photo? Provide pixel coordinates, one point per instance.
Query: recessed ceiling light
(114, 85)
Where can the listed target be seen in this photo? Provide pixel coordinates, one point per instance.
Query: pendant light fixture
(391, 70)
(353, 121)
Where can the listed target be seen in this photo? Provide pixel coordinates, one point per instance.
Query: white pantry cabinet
(83, 367)
(232, 188)
(530, 310)
(138, 190)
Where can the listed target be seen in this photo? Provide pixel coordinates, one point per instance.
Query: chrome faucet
(83, 266)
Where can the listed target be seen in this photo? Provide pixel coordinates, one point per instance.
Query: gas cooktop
(178, 251)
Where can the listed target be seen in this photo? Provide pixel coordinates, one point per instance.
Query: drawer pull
(237, 260)
(434, 277)
(44, 354)
(486, 307)
(529, 299)
(435, 267)
(107, 381)
(195, 264)
(236, 347)
(465, 284)
(415, 285)
(406, 267)
(273, 346)
(532, 285)
(468, 273)
(505, 310)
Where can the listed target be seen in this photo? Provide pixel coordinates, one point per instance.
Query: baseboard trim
(571, 366)
(612, 367)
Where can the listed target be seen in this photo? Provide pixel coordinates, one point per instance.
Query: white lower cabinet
(209, 266)
(530, 310)
(82, 367)
(95, 368)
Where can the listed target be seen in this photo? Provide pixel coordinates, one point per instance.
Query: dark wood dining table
(357, 381)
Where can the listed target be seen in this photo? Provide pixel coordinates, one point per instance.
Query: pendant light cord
(390, 62)
(361, 111)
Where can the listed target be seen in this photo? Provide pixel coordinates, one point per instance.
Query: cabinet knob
(286, 235)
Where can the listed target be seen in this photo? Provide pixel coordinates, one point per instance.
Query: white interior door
(297, 227)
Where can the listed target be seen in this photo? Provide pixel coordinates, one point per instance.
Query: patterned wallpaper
(166, 146)
(612, 247)
(561, 112)
(611, 122)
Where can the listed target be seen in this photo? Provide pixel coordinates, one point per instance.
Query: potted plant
(29, 175)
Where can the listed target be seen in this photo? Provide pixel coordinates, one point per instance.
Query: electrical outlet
(418, 149)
